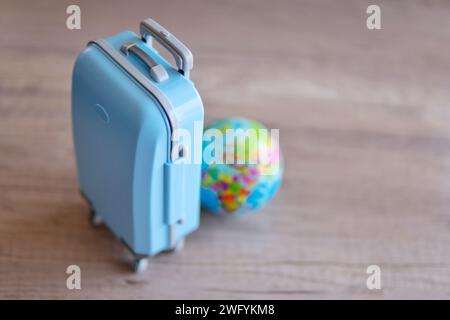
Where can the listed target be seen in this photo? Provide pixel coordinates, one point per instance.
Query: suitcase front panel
(122, 123)
(107, 151)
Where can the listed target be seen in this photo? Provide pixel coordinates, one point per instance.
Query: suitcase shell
(140, 183)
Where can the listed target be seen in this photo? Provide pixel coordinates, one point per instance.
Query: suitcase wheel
(140, 265)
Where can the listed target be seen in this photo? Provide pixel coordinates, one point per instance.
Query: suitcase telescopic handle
(150, 29)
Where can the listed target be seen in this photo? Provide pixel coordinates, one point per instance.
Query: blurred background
(364, 126)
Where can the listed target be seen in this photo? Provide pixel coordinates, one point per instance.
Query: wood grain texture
(364, 125)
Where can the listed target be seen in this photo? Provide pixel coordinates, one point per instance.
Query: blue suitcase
(127, 103)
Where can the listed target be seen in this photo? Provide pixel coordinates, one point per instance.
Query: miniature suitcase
(127, 104)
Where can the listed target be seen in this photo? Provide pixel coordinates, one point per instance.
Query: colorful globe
(239, 175)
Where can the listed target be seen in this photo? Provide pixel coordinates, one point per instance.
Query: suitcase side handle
(182, 55)
(157, 71)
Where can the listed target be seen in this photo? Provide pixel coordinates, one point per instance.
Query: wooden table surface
(364, 119)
